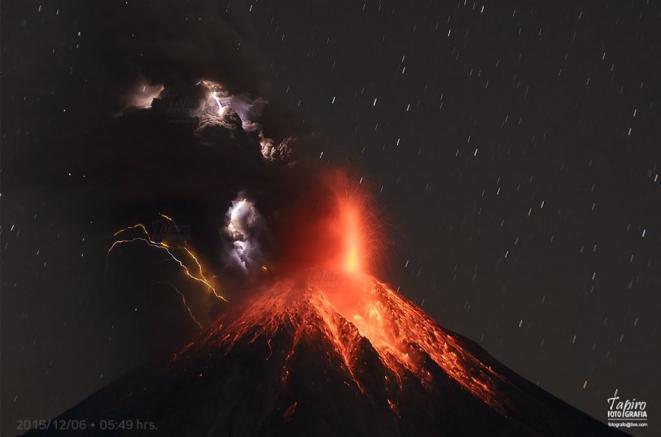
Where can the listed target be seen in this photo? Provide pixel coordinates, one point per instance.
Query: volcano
(331, 353)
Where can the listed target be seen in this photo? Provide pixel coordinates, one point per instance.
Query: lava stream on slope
(348, 309)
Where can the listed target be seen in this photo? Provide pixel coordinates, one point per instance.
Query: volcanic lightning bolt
(184, 303)
(194, 272)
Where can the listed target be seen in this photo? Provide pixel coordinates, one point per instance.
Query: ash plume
(244, 226)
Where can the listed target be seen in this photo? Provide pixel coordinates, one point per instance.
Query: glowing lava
(352, 243)
(332, 228)
(341, 308)
(345, 310)
(341, 305)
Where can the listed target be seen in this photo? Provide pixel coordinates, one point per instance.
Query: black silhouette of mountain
(348, 357)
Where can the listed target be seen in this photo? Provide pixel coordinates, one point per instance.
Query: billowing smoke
(220, 108)
(167, 42)
(215, 108)
(212, 131)
(248, 110)
(243, 227)
(272, 151)
(141, 95)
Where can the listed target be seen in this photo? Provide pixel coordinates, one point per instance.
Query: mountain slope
(333, 354)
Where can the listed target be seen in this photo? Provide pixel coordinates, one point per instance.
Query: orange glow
(331, 226)
(329, 297)
(352, 237)
(344, 309)
(350, 227)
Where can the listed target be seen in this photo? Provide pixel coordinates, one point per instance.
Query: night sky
(513, 149)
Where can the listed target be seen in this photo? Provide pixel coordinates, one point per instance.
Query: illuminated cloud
(248, 110)
(214, 108)
(275, 152)
(220, 108)
(243, 226)
(142, 95)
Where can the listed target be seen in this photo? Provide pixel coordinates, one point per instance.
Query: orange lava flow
(346, 309)
(341, 305)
